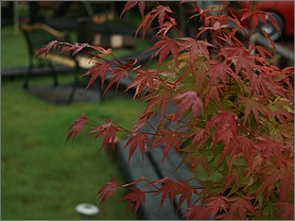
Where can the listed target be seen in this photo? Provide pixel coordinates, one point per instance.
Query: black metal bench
(152, 169)
(38, 35)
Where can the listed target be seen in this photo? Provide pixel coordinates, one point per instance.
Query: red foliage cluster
(235, 109)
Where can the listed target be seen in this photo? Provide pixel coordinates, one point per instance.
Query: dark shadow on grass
(60, 94)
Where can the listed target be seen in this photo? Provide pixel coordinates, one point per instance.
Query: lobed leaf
(100, 69)
(135, 197)
(186, 100)
(108, 130)
(165, 46)
(46, 48)
(196, 213)
(137, 139)
(108, 190)
(77, 127)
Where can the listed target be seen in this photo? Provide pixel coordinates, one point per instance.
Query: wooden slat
(137, 168)
(153, 168)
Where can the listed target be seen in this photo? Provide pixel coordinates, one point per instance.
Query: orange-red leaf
(116, 75)
(217, 203)
(271, 148)
(141, 6)
(168, 189)
(219, 72)
(196, 47)
(46, 48)
(108, 130)
(127, 6)
(77, 127)
(286, 212)
(108, 190)
(170, 138)
(186, 191)
(243, 206)
(186, 100)
(165, 46)
(135, 196)
(137, 139)
(254, 106)
(196, 213)
(241, 144)
(226, 128)
(271, 174)
(144, 81)
(100, 69)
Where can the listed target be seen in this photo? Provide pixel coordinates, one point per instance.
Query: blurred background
(41, 176)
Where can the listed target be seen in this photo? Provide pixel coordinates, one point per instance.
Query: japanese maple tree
(235, 113)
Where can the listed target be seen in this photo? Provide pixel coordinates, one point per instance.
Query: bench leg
(54, 75)
(74, 87)
(27, 76)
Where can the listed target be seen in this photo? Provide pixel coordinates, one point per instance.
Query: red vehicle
(282, 12)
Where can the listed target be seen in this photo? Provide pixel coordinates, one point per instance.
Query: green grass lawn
(41, 176)
(44, 178)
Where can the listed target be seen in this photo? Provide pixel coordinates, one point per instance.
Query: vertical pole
(15, 18)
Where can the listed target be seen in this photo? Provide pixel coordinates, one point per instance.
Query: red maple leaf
(199, 138)
(108, 130)
(254, 106)
(116, 75)
(127, 6)
(131, 4)
(145, 81)
(100, 69)
(108, 190)
(141, 6)
(256, 16)
(243, 206)
(46, 48)
(196, 47)
(264, 84)
(186, 100)
(226, 129)
(263, 51)
(196, 213)
(135, 196)
(79, 47)
(156, 102)
(160, 11)
(137, 139)
(77, 127)
(217, 203)
(168, 188)
(271, 174)
(170, 138)
(241, 58)
(241, 144)
(271, 148)
(219, 72)
(286, 212)
(186, 191)
(165, 46)
(166, 27)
